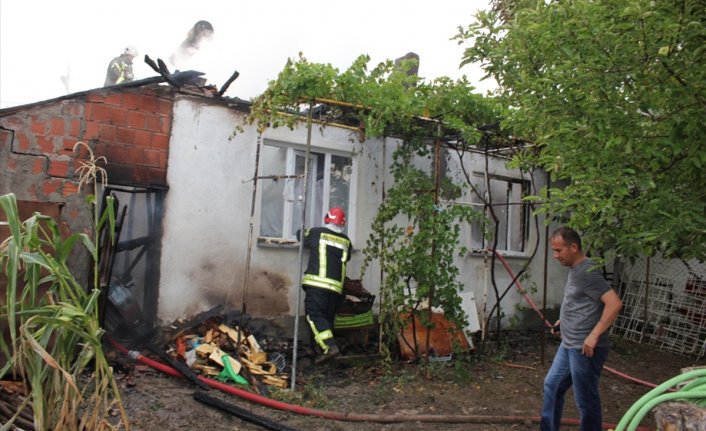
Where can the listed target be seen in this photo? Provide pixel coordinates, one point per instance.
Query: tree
(613, 96)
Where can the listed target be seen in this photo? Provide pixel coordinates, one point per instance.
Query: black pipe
(181, 367)
(241, 413)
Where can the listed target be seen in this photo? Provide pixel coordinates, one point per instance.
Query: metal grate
(669, 311)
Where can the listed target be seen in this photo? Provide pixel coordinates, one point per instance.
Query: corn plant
(54, 344)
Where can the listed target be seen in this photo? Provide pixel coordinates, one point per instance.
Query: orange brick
(88, 111)
(115, 153)
(160, 141)
(95, 97)
(39, 165)
(75, 127)
(153, 123)
(59, 168)
(152, 158)
(166, 125)
(45, 144)
(57, 126)
(150, 104)
(69, 144)
(132, 101)
(38, 126)
(125, 135)
(136, 119)
(100, 113)
(118, 115)
(143, 138)
(70, 188)
(51, 185)
(108, 132)
(92, 130)
(114, 99)
(23, 142)
(165, 106)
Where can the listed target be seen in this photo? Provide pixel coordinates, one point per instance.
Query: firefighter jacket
(328, 253)
(119, 71)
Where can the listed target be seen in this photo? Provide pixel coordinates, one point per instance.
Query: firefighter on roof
(120, 68)
(329, 250)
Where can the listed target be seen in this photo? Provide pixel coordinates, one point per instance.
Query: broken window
(328, 185)
(506, 196)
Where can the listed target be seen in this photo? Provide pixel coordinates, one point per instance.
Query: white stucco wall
(207, 219)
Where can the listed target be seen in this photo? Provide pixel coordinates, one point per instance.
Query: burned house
(182, 166)
(204, 224)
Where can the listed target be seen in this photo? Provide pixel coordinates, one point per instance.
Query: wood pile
(206, 349)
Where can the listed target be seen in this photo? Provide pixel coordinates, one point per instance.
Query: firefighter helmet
(336, 216)
(131, 50)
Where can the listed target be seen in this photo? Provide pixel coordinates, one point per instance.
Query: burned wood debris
(225, 352)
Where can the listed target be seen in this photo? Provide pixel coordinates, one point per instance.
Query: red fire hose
(546, 322)
(341, 416)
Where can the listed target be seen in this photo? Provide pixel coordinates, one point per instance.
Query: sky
(42, 41)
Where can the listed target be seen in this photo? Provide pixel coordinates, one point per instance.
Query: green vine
(416, 232)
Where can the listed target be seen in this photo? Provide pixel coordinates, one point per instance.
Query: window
(512, 212)
(281, 205)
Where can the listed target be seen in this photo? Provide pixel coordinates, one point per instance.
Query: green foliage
(415, 237)
(385, 99)
(55, 336)
(613, 94)
(418, 256)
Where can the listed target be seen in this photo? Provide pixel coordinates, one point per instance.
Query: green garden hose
(694, 391)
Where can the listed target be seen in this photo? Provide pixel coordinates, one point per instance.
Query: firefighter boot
(329, 354)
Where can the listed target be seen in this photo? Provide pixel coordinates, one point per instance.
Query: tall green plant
(55, 336)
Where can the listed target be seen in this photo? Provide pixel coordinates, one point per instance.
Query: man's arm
(612, 306)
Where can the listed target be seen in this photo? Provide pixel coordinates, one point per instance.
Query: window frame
(294, 153)
(510, 214)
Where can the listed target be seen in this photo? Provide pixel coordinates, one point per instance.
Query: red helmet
(336, 216)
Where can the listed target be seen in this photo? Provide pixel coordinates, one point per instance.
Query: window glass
(340, 178)
(513, 217)
(273, 191)
(281, 205)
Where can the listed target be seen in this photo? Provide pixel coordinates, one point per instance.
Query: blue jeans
(571, 367)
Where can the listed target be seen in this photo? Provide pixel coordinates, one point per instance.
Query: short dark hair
(569, 236)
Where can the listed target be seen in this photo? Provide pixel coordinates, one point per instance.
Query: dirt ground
(505, 380)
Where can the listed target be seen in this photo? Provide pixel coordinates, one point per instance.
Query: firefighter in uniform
(120, 68)
(329, 250)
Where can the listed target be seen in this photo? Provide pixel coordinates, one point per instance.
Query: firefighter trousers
(320, 308)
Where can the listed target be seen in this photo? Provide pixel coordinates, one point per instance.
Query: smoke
(198, 36)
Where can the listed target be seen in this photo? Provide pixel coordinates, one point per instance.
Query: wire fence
(668, 311)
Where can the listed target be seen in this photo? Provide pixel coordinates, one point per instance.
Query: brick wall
(131, 130)
(129, 127)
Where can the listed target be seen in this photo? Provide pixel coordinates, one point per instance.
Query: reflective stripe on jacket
(329, 252)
